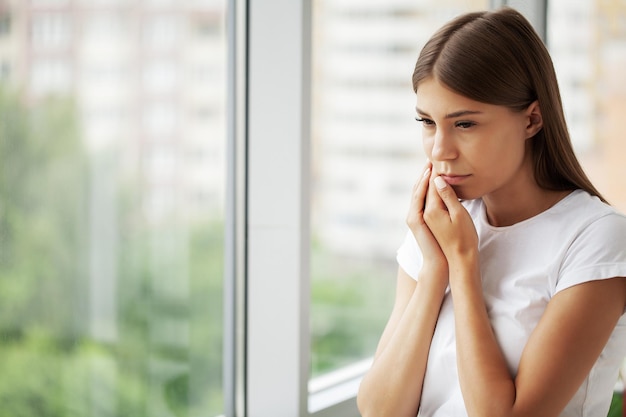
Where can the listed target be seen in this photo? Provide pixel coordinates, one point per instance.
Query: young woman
(511, 293)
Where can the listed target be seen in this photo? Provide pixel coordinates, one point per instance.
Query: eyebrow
(453, 114)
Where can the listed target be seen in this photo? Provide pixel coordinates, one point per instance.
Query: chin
(463, 193)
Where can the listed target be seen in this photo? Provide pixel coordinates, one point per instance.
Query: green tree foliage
(42, 219)
(351, 300)
(51, 365)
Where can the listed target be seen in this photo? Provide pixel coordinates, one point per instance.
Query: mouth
(454, 179)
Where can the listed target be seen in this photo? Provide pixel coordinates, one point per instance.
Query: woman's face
(478, 148)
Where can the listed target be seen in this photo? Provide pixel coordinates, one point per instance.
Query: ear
(534, 119)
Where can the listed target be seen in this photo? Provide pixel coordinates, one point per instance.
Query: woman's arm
(393, 385)
(558, 356)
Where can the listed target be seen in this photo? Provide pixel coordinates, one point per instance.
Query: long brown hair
(498, 58)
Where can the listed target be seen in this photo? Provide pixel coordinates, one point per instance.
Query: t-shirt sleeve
(599, 252)
(409, 256)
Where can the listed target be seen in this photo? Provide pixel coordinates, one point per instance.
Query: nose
(443, 147)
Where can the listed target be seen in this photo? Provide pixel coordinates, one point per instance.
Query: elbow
(376, 403)
(366, 404)
(366, 410)
(361, 403)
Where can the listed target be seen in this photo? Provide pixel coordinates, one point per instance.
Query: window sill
(334, 393)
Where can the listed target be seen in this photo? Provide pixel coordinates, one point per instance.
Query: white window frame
(277, 357)
(267, 347)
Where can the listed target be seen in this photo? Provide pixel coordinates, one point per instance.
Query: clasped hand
(441, 225)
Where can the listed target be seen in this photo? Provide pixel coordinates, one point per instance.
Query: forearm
(486, 383)
(393, 385)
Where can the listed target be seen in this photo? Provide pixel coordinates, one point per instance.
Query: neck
(520, 200)
(519, 207)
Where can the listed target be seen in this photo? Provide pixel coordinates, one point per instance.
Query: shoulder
(580, 214)
(581, 202)
(597, 238)
(594, 218)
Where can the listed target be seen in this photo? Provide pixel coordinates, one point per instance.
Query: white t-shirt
(522, 267)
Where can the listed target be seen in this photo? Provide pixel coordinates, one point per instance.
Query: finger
(415, 218)
(433, 199)
(419, 193)
(446, 193)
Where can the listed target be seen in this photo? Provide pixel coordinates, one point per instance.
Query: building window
(111, 288)
(103, 26)
(5, 25)
(51, 30)
(50, 75)
(162, 32)
(365, 144)
(589, 63)
(5, 70)
(160, 77)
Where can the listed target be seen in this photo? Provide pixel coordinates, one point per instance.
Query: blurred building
(146, 76)
(367, 149)
(140, 70)
(147, 80)
(587, 40)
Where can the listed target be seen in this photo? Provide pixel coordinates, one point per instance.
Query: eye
(465, 125)
(425, 122)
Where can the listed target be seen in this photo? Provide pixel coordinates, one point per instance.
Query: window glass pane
(589, 63)
(366, 155)
(112, 166)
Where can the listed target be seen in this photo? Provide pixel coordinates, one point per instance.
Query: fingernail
(440, 183)
(427, 172)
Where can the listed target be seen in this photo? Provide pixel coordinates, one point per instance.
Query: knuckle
(428, 215)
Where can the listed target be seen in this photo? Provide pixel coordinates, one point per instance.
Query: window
(50, 75)
(160, 77)
(5, 25)
(103, 26)
(365, 156)
(130, 197)
(589, 63)
(5, 70)
(111, 282)
(51, 31)
(162, 32)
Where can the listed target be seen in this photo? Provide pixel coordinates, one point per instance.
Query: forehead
(434, 96)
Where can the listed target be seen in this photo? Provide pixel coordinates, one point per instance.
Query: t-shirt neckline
(564, 201)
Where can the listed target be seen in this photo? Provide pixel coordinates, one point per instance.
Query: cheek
(427, 145)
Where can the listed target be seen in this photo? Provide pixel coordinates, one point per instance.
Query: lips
(453, 179)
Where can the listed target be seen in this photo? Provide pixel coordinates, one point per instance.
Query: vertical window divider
(278, 294)
(236, 211)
